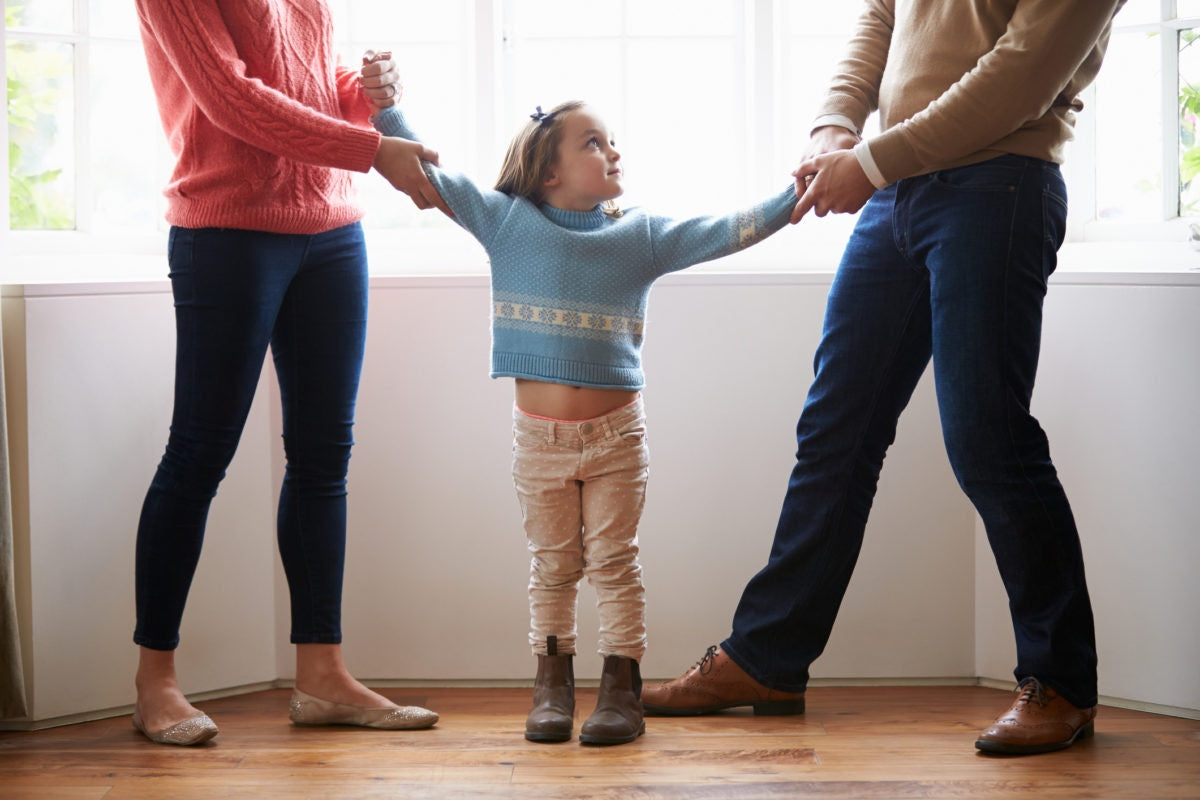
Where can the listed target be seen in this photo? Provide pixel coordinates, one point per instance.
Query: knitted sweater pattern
(570, 289)
(957, 82)
(261, 119)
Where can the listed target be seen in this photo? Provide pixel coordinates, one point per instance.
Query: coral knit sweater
(263, 121)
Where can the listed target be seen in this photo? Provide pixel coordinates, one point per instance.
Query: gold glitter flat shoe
(309, 710)
(195, 730)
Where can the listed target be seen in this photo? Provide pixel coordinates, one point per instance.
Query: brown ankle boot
(553, 711)
(618, 715)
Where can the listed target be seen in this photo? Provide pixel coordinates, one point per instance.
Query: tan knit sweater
(960, 81)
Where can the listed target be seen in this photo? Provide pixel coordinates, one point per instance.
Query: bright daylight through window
(710, 100)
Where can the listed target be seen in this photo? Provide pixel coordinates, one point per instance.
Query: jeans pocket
(633, 432)
(1002, 174)
(524, 439)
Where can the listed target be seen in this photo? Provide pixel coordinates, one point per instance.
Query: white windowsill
(56, 263)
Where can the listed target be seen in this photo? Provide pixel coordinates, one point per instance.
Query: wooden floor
(893, 742)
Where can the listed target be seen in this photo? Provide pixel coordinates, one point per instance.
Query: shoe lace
(1032, 691)
(706, 663)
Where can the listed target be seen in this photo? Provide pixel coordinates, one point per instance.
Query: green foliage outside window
(1189, 126)
(35, 203)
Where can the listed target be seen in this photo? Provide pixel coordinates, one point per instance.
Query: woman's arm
(355, 105)
(190, 38)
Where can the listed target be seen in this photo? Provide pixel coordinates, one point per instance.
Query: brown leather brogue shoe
(1038, 722)
(715, 683)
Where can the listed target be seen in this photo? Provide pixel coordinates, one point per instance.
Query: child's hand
(379, 79)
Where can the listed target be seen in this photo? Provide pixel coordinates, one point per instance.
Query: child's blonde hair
(533, 152)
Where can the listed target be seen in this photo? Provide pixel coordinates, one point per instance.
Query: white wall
(98, 390)
(1119, 395)
(437, 567)
(728, 363)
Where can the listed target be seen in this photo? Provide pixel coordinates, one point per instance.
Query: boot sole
(547, 738)
(1085, 731)
(585, 738)
(773, 708)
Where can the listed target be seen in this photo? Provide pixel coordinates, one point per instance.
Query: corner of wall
(16, 411)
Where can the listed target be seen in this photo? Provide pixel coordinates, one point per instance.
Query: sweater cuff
(362, 145)
(839, 120)
(863, 153)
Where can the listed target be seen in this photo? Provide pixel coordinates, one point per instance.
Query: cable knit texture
(570, 288)
(262, 120)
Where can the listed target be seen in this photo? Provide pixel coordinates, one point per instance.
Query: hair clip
(540, 116)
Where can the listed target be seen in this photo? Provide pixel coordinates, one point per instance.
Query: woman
(265, 249)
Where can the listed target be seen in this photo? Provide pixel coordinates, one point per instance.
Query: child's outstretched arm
(681, 243)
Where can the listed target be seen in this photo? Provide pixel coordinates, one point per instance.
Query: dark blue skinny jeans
(952, 265)
(236, 293)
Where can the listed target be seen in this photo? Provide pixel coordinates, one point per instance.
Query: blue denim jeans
(236, 293)
(951, 265)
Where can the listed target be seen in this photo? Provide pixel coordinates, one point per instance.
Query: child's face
(588, 170)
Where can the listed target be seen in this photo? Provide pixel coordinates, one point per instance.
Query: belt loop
(550, 432)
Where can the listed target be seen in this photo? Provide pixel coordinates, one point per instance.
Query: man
(964, 211)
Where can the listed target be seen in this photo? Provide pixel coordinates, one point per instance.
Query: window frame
(1079, 169)
(27, 256)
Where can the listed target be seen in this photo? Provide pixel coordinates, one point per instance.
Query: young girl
(570, 278)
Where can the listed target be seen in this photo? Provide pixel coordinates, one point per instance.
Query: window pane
(682, 18)
(1187, 8)
(385, 24)
(575, 76)
(1139, 12)
(116, 18)
(565, 18)
(1129, 130)
(40, 134)
(807, 18)
(57, 16)
(679, 160)
(129, 161)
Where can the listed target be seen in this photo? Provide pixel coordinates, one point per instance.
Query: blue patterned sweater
(570, 289)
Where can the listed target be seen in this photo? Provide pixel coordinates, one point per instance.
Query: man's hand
(833, 182)
(380, 79)
(843, 187)
(399, 160)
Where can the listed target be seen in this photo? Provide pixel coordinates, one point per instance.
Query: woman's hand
(399, 160)
(380, 79)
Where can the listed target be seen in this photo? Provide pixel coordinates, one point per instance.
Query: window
(81, 125)
(710, 101)
(1144, 122)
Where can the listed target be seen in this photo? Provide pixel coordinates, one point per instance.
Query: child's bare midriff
(559, 401)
